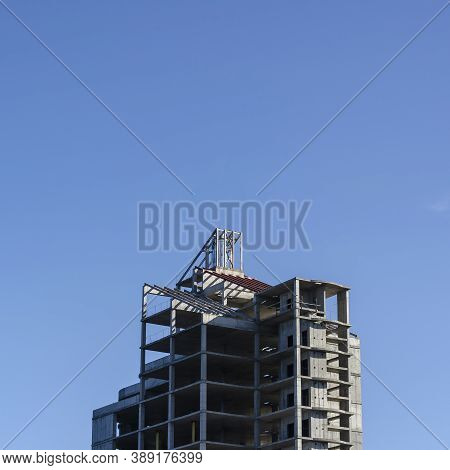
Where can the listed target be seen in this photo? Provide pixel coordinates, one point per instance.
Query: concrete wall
(355, 393)
(103, 431)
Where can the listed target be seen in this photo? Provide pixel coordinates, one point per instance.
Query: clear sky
(224, 93)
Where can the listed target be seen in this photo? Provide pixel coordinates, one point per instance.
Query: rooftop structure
(243, 364)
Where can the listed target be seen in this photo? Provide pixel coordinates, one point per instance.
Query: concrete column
(343, 306)
(257, 378)
(224, 294)
(203, 386)
(356, 403)
(297, 368)
(321, 298)
(195, 288)
(141, 410)
(171, 409)
(171, 397)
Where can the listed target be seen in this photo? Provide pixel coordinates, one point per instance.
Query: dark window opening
(290, 400)
(305, 367)
(290, 430)
(290, 370)
(305, 337)
(305, 428)
(289, 304)
(305, 397)
(290, 341)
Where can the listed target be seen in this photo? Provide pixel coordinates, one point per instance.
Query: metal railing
(161, 362)
(161, 334)
(288, 306)
(154, 309)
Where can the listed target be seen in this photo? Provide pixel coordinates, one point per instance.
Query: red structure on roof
(246, 282)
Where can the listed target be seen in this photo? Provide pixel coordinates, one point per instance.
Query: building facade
(240, 364)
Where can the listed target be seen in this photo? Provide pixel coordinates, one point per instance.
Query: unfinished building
(239, 364)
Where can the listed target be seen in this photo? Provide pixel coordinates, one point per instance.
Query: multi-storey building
(243, 364)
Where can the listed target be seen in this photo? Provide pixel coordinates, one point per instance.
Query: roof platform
(331, 288)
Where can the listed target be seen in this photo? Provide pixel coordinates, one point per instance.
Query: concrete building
(243, 364)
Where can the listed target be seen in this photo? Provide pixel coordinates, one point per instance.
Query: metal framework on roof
(223, 249)
(203, 304)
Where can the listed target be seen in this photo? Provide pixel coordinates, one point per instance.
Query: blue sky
(214, 87)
